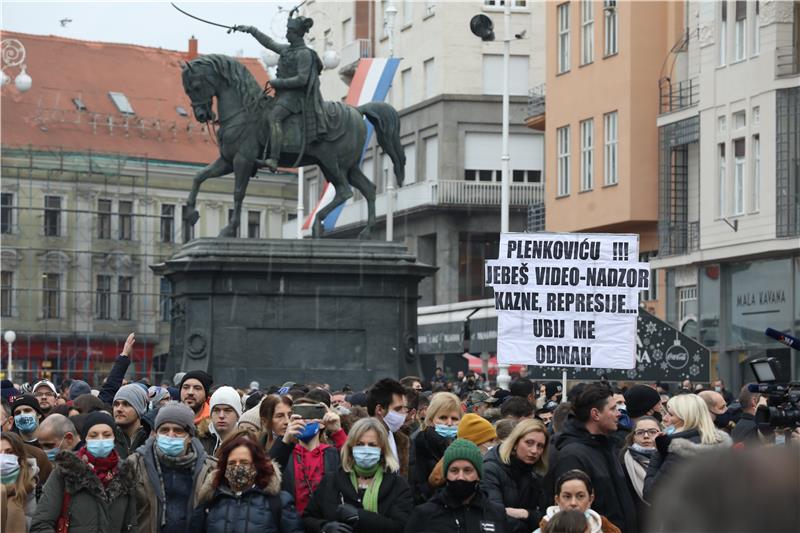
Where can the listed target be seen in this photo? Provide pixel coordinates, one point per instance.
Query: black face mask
(461, 489)
(657, 416)
(722, 421)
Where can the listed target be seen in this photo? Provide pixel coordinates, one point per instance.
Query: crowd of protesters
(416, 456)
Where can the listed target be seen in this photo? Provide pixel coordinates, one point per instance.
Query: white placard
(567, 299)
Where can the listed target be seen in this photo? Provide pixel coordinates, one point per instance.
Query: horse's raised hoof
(316, 229)
(228, 231)
(365, 234)
(192, 216)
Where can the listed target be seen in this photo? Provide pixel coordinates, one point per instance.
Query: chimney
(192, 54)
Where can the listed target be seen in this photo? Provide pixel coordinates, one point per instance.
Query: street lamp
(14, 56)
(389, 17)
(9, 336)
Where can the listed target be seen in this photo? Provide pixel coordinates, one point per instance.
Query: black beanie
(94, 418)
(203, 377)
(641, 398)
(26, 399)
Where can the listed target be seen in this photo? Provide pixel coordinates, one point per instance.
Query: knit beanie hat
(226, 396)
(94, 418)
(641, 398)
(476, 429)
(26, 399)
(203, 377)
(463, 449)
(77, 388)
(135, 395)
(9, 391)
(176, 413)
(252, 416)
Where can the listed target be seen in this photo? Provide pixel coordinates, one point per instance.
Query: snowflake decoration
(694, 370)
(647, 341)
(696, 358)
(651, 328)
(600, 371)
(664, 366)
(658, 355)
(631, 373)
(640, 367)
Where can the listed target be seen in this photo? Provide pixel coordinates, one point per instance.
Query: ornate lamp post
(14, 56)
(389, 17)
(9, 336)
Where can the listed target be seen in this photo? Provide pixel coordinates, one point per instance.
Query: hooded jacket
(92, 508)
(429, 447)
(511, 486)
(576, 448)
(441, 514)
(597, 523)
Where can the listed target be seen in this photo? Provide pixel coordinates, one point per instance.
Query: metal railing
(787, 61)
(476, 193)
(693, 236)
(355, 50)
(536, 101)
(678, 238)
(677, 96)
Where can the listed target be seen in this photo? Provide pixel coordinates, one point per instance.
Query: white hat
(46, 383)
(227, 396)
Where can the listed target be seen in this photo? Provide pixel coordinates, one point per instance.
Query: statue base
(326, 311)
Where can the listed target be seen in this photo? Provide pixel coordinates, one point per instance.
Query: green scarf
(370, 501)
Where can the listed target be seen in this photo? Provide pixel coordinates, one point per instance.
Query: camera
(783, 399)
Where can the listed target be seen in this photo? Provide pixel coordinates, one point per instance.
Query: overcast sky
(150, 23)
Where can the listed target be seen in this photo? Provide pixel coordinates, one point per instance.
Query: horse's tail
(387, 128)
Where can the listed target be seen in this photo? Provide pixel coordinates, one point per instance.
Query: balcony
(536, 108)
(679, 238)
(351, 53)
(787, 61)
(674, 96)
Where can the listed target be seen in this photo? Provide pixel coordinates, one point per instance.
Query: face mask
(639, 448)
(171, 446)
(9, 468)
(366, 456)
(718, 389)
(309, 432)
(240, 477)
(51, 454)
(100, 447)
(394, 420)
(462, 489)
(622, 407)
(447, 432)
(722, 421)
(26, 422)
(669, 430)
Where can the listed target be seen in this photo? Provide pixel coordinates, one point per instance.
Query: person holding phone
(303, 457)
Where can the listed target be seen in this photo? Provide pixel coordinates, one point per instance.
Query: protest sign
(567, 299)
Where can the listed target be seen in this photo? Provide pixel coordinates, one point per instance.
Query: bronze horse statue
(243, 132)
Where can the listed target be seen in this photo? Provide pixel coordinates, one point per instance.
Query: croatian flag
(370, 83)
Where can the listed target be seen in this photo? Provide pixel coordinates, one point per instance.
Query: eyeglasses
(643, 432)
(44, 395)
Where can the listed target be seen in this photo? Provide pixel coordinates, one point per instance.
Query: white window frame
(563, 145)
(611, 148)
(611, 28)
(429, 72)
(740, 39)
(686, 295)
(587, 154)
(722, 175)
(756, 188)
(739, 171)
(722, 34)
(563, 48)
(756, 45)
(587, 32)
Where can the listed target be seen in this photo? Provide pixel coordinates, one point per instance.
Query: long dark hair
(264, 469)
(267, 411)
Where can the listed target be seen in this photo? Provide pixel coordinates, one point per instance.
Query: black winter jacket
(442, 514)
(394, 504)
(513, 485)
(746, 430)
(429, 447)
(576, 448)
(250, 512)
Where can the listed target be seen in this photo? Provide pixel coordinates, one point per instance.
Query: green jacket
(92, 509)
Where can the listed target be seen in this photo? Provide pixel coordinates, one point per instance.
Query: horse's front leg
(242, 169)
(220, 167)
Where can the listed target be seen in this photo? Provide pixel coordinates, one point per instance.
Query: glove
(662, 444)
(347, 513)
(337, 527)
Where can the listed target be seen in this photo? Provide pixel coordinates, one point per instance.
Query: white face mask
(394, 420)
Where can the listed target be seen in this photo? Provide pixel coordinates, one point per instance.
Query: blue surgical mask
(669, 430)
(26, 422)
(366, 456)
(311, 430)
(9, 468)
(100, 447)
(51, 454)
(447, 432)
(171, 446)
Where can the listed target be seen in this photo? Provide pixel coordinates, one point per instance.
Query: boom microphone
(783, 338)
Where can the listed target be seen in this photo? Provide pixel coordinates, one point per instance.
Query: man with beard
(195, 390)
(46, 394)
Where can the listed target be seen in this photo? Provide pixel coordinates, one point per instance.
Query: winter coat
(675, 449)
(441, 514)
(746, 430)
(394, 504)
(512, 486)
(148, 485)
(285, 460)
(14, 519)
(597, 523)
(222, 511)
(92, 508)
(596, 455)
(403, 443)
(130, 445)
(429, 447)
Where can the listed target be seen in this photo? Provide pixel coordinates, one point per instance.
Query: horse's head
(198, 83)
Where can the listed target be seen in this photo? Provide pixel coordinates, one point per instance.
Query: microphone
(783, 338)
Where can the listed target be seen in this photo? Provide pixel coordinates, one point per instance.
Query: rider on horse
(296, 85)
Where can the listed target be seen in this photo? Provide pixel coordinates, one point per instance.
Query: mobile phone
(309, 411)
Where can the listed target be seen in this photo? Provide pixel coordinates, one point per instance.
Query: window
(754, 190)
(738, 176)
(611, 26)
(103, 219)
(406, 81)
(348, 36)
(78, 103)
(51, 296)
(587, 155)
(723, 31)
(254, 224)
(756, 115)
(526, 176)
(6, 213)
(122, 103)
(125, 220)
(408, 12)
(518, 4)
(687, 304)
(652, 292)
(411, 163)
(756, 30)
(473, 250)
(739, 31)
(562, 134)
(103, 300)
(165, 300)
(518, 69)
(721, 178)
(431, 157)
(6, 293)
(739, 120)
(313, 193)
(587, 31)
(563, 38)
(429, 69)
(125, 297)
(611, 160)
(52, 216)
(167, 223)
(722, 124)
(188, 229)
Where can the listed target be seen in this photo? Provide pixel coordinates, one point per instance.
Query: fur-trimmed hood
(687, 447)
(78, 475)
(207, 492)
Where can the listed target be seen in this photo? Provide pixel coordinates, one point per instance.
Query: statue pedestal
(329, 311)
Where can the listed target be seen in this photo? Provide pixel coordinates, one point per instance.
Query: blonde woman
(437, 431)
(366, 494)
(17, 484)
(689, 432)
(513, 472)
